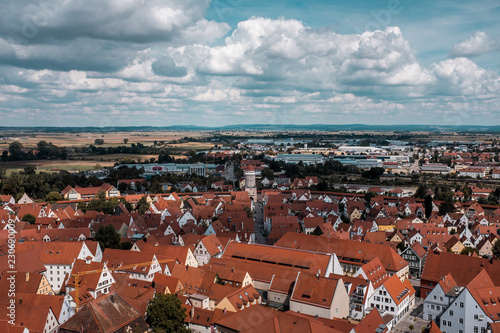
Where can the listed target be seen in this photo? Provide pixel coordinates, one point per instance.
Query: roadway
(259, 222)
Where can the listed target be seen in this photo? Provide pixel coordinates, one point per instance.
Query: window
(461, 320)
(451, 313)
(476, 329)
(461, 304)
(476, 317)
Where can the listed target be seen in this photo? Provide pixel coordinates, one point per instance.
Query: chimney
(27, 276)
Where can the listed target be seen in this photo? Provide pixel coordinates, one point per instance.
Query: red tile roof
(315, 290)
(462, 268)
(398, 290)
(346, 250)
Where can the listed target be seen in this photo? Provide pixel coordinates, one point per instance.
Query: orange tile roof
(346, 250)
(278, 256)
(90, 280)
(447, 283)
(432, 328)
(463, 268)
(54, 253)
(265, 319)
(315, 290)
(282, 284)
(109, 313)
(244, 297)
(32, 317)
(25, 283)
(375, 272)
(398, 290)
(27, 260)
(212, 244)
(370, 323)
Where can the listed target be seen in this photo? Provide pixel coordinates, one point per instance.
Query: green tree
(468, 250)
(101, 195)
(156, 188)
(142, 205)
(108, 237)
(127, 204)
(317, 232)
(165, 313)
(123, 187)
(446, 207)
(496, 249)
(53, 197)
(368, 196)
(29, 170)
(428, 205)
(29, 218)
(421, 191)
(218, 279)
(125, 141)
(82, 205)
(373, 173)
(99, 141)
(267, 173)
(15, 150)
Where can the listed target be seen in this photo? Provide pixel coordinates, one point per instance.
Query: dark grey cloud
(165, 66)
(135, 21)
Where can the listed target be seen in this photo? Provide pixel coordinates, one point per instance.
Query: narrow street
(259, 222)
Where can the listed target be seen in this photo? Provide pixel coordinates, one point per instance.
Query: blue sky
(220, 62)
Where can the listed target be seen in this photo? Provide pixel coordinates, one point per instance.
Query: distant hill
(266, 127)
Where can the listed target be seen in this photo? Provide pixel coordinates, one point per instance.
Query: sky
(223, 62)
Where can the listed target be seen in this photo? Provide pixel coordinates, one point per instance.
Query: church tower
(250, 185)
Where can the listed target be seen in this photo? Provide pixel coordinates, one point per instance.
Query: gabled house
(58, 257)
(438, 265)
(240, 299)
(186, 217)
(477, 305)
(101, 315)
(485, 248)
(320, 296)
(25, 199)
(394, 297)
(78, 193)
(375, 273)
(415, 255)
(96, 284)
(129, 260)
(208, 247)
(309, 224)
(440, 298)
